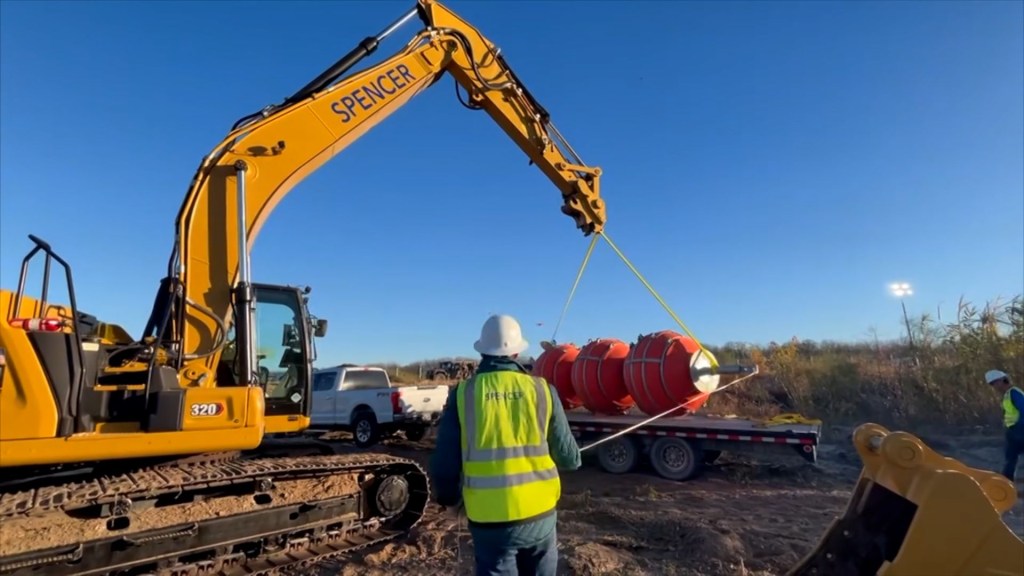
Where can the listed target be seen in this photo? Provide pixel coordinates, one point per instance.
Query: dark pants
(496, 559)
(1014, 448)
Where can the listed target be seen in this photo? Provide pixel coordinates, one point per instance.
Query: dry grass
(937, 381)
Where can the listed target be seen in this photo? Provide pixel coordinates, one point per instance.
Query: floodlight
(901, 289)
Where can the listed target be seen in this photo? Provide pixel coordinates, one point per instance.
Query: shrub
(935, 378)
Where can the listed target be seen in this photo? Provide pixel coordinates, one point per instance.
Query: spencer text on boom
(371, 93)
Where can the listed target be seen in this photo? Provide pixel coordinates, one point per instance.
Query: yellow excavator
(156, 455)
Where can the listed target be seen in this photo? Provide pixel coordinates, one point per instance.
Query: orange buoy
(597, 377)
(665, 369)
(555, 366)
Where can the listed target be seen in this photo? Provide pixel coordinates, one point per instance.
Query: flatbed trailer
(679, 447)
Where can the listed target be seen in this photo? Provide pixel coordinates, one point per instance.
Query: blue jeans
(495, 558)
(1014, 448)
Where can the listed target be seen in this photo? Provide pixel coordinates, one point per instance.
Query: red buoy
(665, 369)
(597, 377)
(555, 366)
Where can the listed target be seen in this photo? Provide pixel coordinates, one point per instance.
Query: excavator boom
(166, 447)
(270, 152)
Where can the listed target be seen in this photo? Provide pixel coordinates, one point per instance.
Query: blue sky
(769, 166)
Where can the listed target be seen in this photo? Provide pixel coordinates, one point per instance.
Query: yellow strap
(708, 355)
(579, 275)
(572, 291)
(788, 418)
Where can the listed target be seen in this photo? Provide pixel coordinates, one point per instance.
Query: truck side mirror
(321, 328)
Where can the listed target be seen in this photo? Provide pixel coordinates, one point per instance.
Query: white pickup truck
(362, 400)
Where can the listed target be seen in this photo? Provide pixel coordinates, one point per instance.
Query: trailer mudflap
(914, 511)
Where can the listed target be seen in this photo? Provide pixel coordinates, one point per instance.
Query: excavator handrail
(267, 153)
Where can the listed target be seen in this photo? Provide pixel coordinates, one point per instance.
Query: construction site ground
(741, 517)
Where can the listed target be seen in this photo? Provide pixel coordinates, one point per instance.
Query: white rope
(665, 413)
(459, 510)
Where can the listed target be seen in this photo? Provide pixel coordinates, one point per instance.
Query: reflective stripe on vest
(508, 473)
(1010, 413)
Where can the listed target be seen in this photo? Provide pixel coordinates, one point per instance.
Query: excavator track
(170, 520)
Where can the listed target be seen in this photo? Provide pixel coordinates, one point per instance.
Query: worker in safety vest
(1013, 407)
(501, 440)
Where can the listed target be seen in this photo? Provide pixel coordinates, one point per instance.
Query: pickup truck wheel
(415, 433)
(365, 430)
(675, 458)
(618, 456)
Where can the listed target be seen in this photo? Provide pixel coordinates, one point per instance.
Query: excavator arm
(187, 415)
(268, 153)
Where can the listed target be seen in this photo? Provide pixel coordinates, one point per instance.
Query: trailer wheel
(675, 458)
(415, 433)
(618, 456)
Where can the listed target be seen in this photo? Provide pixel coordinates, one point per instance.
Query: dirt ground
(739, 518)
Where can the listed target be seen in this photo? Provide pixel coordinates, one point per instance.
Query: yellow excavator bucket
(915, 512)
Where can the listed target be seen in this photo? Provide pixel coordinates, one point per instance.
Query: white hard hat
(993, 375)
(501, 336)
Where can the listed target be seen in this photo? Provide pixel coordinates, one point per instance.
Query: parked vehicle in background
(454, 370)
(363, 400)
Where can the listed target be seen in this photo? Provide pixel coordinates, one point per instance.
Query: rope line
(705, 351)
(575, 284)
(665, 413)
(579, 275)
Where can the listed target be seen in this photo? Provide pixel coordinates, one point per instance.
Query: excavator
(176, 453)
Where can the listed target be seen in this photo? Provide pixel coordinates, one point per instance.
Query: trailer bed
(694, 426)
(678, 447)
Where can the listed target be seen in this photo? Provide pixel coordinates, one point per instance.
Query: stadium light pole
(902, 290)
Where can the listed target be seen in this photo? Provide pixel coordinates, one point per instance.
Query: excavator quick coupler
(915, 512)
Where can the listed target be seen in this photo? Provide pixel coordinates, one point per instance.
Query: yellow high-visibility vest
(508, 473)
(1010, 413)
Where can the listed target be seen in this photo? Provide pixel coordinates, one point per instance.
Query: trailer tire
(415, 433)
(675, 458)
(618, 456)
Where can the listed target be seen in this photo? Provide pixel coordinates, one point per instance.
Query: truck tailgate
(427, 401)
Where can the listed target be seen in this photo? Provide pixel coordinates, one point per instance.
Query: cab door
(283, 350)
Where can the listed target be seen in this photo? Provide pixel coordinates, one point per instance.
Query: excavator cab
(97, 379)
(283, 339)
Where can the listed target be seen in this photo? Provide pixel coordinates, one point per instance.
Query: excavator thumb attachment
(916, 512)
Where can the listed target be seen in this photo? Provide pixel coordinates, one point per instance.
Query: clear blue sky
(770, 166)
